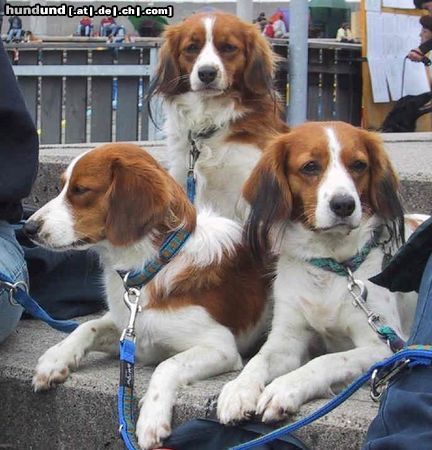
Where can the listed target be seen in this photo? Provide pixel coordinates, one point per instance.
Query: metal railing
(94, 92)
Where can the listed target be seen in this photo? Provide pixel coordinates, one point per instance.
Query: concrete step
(81, 414)
(411, 154)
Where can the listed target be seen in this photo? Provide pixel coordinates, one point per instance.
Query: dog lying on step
(198, 314)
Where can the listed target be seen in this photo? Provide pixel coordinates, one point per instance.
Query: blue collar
(169, 248)
(341, 268)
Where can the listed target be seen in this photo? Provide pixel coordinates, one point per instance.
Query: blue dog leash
(18, 294)
(380, 375)
(133, 283)
(194, 154)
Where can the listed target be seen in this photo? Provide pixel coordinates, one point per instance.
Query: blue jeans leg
(405, 414)
(13, 265)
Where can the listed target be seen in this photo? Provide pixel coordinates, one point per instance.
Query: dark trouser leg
(404, 420)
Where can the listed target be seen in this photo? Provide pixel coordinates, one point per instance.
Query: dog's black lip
(348, 227)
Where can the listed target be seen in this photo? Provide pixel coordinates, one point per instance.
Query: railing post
(298, 61)
(244, 10)
(154, 131)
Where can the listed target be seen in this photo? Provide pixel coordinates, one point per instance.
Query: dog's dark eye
(228, 48)
(79, 190)
(192, 48)
(358, 166)
(311, 168)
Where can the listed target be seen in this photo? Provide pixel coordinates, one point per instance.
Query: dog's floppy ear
(384, 188)
(258, 74)
(167, 76)
(138, 200)
(268, 192)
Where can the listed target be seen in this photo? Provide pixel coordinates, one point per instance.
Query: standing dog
(328, 198)
(215, 76)
(202, 309)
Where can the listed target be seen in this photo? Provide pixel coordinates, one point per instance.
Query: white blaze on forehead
(336, 181)
(208, 57)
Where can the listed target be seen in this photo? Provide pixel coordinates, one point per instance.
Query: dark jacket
(405, 270)
(18, 144)
(426, 47)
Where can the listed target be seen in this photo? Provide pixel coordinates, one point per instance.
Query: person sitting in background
(110, 29)
(279, 27)
(418, 54)
(108, 26)
(268, 30)
(15, 29)
(261, 21)
(344, 33)
(85, 27)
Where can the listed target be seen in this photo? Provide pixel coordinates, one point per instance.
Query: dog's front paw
(280, 398)
(151, 430)
(52, 369)
(154, 421)
(238, 400)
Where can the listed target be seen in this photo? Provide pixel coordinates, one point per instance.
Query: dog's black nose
(31, 228)
(342, 205)
(207, 74)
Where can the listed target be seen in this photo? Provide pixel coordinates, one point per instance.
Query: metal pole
(244, 10)
(298, 61)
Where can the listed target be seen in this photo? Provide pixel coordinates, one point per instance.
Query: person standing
(418, 54)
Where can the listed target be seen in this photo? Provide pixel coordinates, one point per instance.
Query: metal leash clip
(359, 293)
(131, 298)
(379, 383)
(12, 288)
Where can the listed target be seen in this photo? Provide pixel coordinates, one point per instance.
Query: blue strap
(191, 187)
(125, 405)
(30, 305)
(416, 357)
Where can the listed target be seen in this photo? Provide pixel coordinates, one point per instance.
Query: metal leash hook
(380, 383)
(131, 298)
(359, 293)
(12, 288)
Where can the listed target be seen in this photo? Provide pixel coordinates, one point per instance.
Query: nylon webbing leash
(383, 370)
(125, 397)
(18, 294)
(194, 153)
(133, 283)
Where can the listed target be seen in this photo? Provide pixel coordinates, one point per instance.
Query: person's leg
(13, 265)
(405, 414)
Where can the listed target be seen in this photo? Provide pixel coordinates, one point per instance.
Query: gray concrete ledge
(411, 154)
(81, 414)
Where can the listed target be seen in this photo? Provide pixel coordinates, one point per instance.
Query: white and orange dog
(326, 191)
(200, 311)
(215, 75)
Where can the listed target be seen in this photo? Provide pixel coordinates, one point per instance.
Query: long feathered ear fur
(166, 80)
(258, 75)
(268, 192)
(384, 189)
(138, 200)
